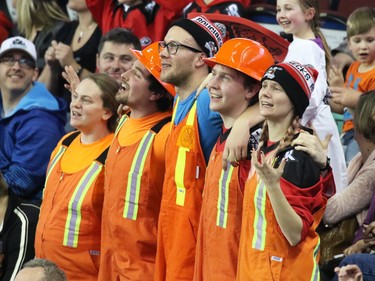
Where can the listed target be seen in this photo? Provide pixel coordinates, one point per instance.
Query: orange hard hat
(244, 55)
(149, 57)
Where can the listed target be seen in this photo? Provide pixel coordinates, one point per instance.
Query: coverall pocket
(276, 264)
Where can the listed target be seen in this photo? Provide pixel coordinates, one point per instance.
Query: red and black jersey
(149, 20)
(109, 14)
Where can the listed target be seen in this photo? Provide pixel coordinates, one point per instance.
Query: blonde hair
(315, 27)
(40, 14)
(361, 21)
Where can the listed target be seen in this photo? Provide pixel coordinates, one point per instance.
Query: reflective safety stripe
(174, 112)
(181, 159)
(133, 188)
(260, 222)
(54, 161)
(120, 123)
(223, 197)
(315, 272)
(74, 216)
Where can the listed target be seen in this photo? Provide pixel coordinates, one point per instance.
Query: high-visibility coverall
(133, 188)
(265, 254)
(181, 201)
(220, 223)
(68, 231)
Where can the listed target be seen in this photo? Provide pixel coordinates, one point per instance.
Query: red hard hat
(149, 57)
(244, 55)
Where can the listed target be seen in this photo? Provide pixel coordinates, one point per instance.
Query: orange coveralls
(68, 231)
(264, 252)
(181, 201)
(133, 187)
(220, 223)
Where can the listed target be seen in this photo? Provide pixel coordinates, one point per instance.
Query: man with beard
(135, 172)
(195, 129)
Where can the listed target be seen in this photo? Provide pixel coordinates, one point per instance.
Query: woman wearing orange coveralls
(237, 70)
(285, 194)
(69, 227)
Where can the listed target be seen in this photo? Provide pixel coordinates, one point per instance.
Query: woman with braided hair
(285, 194)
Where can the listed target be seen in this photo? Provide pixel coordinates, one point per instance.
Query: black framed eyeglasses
(23, 62)
(172, 47)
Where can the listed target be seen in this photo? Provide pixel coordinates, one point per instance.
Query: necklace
(81, 32)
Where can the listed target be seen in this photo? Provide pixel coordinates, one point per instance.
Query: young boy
(237, 70)
(360, 77)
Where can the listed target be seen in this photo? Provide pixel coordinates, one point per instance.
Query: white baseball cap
(18, 43)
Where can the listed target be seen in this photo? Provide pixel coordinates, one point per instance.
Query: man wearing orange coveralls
(68, 231)
(134, 172)
(237, 69)
(195, 129)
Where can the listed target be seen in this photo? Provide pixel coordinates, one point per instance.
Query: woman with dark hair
(69, 228)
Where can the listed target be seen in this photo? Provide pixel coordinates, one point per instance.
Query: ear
(199, 59)
(36, 74)
(97, 60)
(252, 91)
(310, 14)
(155, 96)
(107, 114)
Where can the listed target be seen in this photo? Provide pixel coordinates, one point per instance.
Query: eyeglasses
(172, 47)
(23, 62)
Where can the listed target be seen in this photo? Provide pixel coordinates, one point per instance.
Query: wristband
(325, 168)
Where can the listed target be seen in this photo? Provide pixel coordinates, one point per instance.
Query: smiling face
(363, 47)
(86, 107)
(115, 59)
(179, 67)
(16, 79)
(292, 18)
(134, 90)
(228, 95)
(274, 103)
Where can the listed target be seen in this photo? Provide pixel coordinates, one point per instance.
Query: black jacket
(17, 235)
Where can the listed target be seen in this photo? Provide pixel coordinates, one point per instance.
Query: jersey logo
(289, 156)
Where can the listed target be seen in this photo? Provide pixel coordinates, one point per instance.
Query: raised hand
(350, 272)
(313, 145)
(71, 77)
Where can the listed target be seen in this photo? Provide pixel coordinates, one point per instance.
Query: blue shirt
(209, 122)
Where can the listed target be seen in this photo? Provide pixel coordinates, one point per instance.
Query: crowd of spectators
(111, 111)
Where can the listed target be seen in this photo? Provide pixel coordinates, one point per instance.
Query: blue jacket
(27, 137)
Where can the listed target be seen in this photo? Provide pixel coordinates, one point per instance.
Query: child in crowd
(301, 18)
(285, 195)
(360, 77)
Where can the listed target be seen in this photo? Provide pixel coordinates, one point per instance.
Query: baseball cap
(18, 43)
